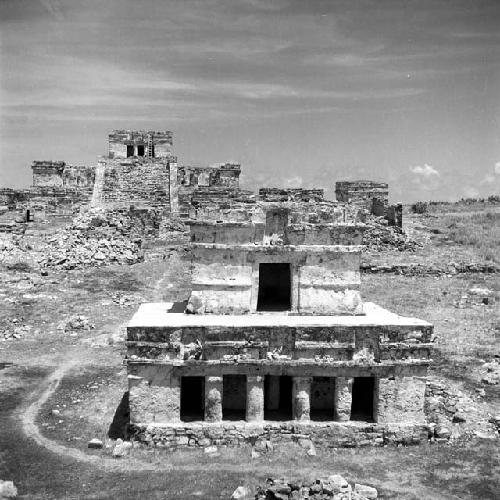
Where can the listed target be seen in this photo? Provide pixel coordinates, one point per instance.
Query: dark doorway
(234, 397)
(363, 395)
(140, 150)
(130, 150)
(274, 287)
(278, 397)
(322, 398)
(192, 398)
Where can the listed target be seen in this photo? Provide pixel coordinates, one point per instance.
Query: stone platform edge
(323, 435)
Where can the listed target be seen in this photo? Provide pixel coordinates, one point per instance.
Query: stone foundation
(323, 435)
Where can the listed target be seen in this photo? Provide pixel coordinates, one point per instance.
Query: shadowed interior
(274, 287)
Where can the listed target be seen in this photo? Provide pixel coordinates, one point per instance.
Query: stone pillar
(343, 398)
(255, 399)
(173, 185)
(213, 399)
(301, 395)
(273, 392)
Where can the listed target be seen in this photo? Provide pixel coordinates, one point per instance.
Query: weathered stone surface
(7, 490)
(365, 491)
(241, 493)
(121, 448)
(213, 399)
(255, 399)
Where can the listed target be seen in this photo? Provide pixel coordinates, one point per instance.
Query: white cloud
(488, 179)
(426, 171)
(294, 182)
(470, 192)
(497, 167)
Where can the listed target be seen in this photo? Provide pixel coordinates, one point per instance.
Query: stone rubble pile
(95, 238)
(379, 236)
(126, 300)
(16, 253)
(7, 490)
(333, 487)
(450, 269)
(15, 330)
(74, 323)
(476, 296)
(491, 372)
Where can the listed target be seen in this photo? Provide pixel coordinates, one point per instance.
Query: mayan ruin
(275, 330)
(249, 250)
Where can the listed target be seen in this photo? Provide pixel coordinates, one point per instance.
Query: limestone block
(154, 394)
(301, 394)
(213, 399)
(401, 399)
(343, 398)
(255, 399)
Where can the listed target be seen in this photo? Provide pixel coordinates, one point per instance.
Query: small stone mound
(491, 372)
(74, 323)
(381, 237)
(7, 490)
(476, 296)
(96, 238)
(333, 487)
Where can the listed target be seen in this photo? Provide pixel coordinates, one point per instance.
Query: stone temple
(275, 341)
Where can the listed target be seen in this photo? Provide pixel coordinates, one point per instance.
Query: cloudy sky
(302, 93)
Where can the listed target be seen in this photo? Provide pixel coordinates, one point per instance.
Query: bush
(22, 267)
(419, 208)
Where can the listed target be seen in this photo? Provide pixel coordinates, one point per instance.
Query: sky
(302, 93)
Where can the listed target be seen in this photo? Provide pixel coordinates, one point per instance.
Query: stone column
(173, 186)
(213, 399)
(343, 398)
(301, 395)
(255, 398)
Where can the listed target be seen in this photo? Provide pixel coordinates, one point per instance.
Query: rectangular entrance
(274, 287)
(322, 398)
(234, 397)
(277, 397)
(192, 398)
(363, 398)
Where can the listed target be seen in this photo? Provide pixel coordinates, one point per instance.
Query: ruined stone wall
(12, 197)
(57, 187)
(203, 187)
(226, 175)
(44, 200)
(48, 173)
(323, 435)
(79, 177)
(299, 194)
(137, 181)
(362, 192)
(326, 281)
(154, 144)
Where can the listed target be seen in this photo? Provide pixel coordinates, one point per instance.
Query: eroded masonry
(275, 341)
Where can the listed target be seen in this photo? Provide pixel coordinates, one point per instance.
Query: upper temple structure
(275, 342)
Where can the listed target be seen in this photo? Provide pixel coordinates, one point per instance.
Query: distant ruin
(275, 342)
(362, 193)
(141, 170)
